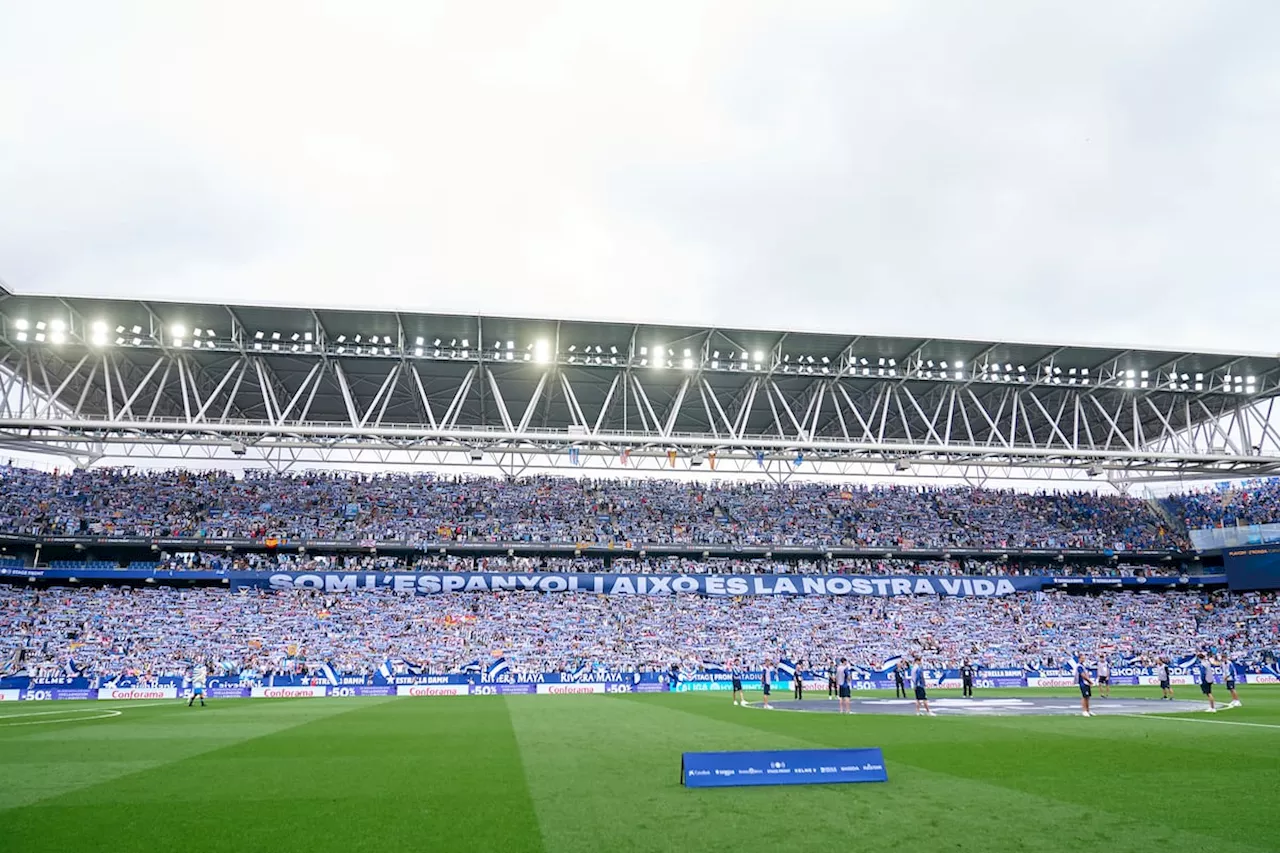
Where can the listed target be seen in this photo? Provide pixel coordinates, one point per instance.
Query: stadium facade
(121, 381)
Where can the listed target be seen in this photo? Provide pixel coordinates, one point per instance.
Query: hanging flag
(626, 455)
(799, 459)
(760, 458)
(711, 460)
(573, 455)
(671, 457)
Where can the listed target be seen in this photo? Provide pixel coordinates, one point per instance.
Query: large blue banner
(786, 767)
(428, 583)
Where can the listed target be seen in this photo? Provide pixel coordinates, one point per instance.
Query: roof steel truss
(300, 408)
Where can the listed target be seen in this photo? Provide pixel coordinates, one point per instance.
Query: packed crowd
(158, 631)
(268, 562)
(427, 508)
(1253, 502)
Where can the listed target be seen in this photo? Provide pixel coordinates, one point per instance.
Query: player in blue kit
(738, 698)
(1166, 679)
(844, 680)
(766, 677)
(917, 683)
(1085, 682)
(1205, 667)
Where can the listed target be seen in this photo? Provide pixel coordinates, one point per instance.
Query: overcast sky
(1068, 172)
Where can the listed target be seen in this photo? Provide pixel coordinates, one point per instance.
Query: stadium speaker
(477, 455)
(238, 448)
(902, 465)
(1095, 470)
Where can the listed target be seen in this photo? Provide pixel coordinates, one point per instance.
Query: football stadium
(669, 427)
(298, 579)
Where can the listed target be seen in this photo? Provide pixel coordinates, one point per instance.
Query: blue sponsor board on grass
(788, 767)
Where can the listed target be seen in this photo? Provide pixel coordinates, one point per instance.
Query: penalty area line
(1197, 720)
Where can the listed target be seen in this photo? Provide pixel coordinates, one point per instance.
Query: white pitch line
(99, 714)
(1196, 720)
(80, 710)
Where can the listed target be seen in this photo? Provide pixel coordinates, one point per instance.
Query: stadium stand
(114, 503)
(1255, 502)
(110, 631)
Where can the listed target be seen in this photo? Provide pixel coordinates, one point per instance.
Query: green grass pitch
(574, 774)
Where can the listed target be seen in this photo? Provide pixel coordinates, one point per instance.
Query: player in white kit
(199, 678)
(1104, 678)
(1229, 681)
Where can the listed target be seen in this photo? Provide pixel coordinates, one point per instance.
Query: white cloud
(1022, 170)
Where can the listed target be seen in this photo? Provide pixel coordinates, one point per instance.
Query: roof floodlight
(417, 341)
(58, 325)
(436, 342)
(99, 327)
(1251, 379)
(275, 336)
(137, 342)
(466, 343)
(688, 364)
(542, 351)
(342, 339)
(759, 357)
(295, 337)
(573, 347)
(1144, 374)
(21, 324)
(178, 330)
(257, 336)
(511, 344)
(644, 350)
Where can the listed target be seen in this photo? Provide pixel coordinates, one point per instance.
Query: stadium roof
(86, 375)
